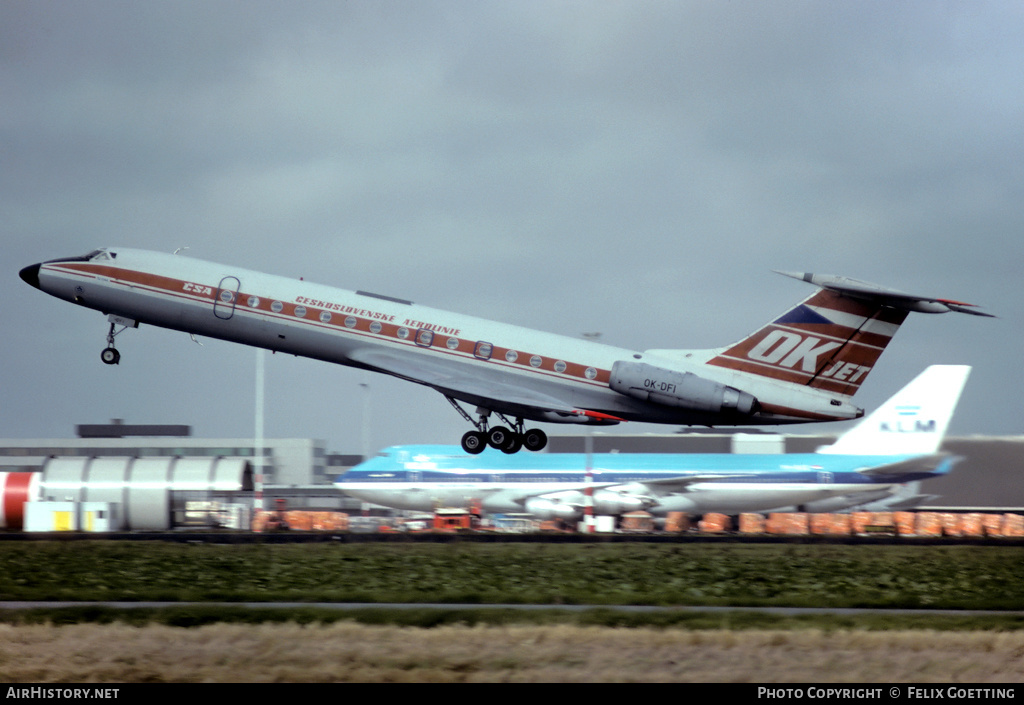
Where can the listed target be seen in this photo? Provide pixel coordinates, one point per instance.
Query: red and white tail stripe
(829, 342)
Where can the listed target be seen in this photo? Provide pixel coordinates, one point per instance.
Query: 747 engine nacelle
(682, 389)
(571, 505)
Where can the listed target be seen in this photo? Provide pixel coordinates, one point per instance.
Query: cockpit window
(93, 256)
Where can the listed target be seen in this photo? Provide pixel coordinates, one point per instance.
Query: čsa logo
(198, 288)
(786, 349)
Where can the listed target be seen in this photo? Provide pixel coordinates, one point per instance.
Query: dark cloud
(632, 168)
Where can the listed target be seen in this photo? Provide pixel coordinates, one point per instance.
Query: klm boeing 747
(886, 454)
(803, 366)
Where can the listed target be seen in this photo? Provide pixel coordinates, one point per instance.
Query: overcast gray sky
(635, 168)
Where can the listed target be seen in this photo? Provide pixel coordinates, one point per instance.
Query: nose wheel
(110, 356)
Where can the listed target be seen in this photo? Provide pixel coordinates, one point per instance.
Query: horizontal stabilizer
(885, 296)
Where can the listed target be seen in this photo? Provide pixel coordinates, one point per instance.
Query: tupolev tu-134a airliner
(803, 366)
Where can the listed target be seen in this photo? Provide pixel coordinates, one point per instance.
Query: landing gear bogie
(507, 440)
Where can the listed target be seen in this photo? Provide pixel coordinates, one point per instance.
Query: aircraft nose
(31, 275)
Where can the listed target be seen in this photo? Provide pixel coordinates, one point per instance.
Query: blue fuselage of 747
(421, 477)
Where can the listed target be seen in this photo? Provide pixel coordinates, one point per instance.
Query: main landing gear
(507, 440)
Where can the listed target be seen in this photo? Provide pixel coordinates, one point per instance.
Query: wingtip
(961, 307)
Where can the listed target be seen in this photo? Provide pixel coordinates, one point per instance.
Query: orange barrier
(714, 523)
(790, 523)
(677, 521)
(300, 520)
(928, 524)
(870, 523)
(1013, 525)
(752, 524)
(831, 524)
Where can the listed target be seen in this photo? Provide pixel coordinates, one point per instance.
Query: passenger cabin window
(483, 350)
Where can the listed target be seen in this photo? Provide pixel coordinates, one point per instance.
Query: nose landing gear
(110, 355)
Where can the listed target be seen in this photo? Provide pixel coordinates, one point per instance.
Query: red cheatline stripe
(174, 287)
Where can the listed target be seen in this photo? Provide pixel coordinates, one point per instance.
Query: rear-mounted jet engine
(682, 389)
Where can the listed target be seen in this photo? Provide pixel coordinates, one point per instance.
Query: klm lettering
(919, 426)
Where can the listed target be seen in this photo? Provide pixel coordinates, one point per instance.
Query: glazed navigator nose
(31, 275)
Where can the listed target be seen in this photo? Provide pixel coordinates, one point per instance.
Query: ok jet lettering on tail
(803, 366)
(870, 463)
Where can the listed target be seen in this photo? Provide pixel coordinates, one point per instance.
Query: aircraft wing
(658, 488)
(456, 380)
(935, 462)
(675, 485)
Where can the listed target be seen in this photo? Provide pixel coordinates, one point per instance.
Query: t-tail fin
(832, 339)
(913, 421)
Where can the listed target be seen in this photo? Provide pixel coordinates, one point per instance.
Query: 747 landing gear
(504, 439)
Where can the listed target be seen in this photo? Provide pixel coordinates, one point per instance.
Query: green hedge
(951, 577)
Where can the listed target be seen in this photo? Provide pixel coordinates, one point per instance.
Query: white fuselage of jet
(802, 367)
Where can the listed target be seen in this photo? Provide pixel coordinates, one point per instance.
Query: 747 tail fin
(832, 339)
(913, 421)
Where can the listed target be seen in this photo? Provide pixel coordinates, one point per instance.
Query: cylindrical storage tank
(107, 481)
(17, 488)
(140, 487)
(149, 494)
(63, 479)
(231, 475)
(192, 474)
